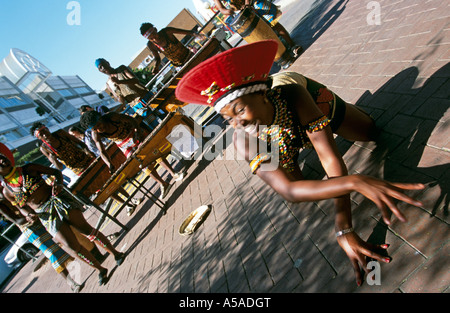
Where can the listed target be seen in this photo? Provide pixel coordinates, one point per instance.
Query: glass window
(82, 90)
(66, 93)
(11, 101)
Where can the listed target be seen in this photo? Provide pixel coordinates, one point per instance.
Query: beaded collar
(290, 138)
(22, 186)
(287, 132)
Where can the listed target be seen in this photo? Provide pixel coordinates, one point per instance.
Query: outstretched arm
(382, 193)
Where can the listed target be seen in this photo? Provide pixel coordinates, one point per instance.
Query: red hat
(4, 150)
(228, 75)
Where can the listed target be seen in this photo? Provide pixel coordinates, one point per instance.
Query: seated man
(61, 148)
(165, 42)
(125, 131)
(86, 137)
(102, 109)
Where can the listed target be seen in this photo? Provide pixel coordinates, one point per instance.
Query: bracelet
(345, 231)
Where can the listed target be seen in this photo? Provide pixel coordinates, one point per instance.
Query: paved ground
(253, 241)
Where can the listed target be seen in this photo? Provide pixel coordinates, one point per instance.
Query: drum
(253, 28)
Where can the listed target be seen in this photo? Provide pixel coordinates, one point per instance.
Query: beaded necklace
(287, 132)
(21, 185)
(282, 132)
(14, 179)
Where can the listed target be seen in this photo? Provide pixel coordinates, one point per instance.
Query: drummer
(125, 87)
(290, 112)
(165, 42)
(126, 132)
(265, 9)
(61, 148)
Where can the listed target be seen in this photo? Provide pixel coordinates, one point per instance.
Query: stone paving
(253, 240)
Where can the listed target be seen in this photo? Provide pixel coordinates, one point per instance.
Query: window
(11, 101)
(82, 90)
(65, 93)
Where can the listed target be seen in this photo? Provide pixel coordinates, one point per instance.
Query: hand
(56, 189)
(200, 36)
(357, 250)
(31, 218)
(383, 193)
(112, 168)
(115, 80)
(228, 12)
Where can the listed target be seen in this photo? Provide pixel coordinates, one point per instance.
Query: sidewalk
(254, 241)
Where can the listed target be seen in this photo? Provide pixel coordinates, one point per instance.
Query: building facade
(29, 93)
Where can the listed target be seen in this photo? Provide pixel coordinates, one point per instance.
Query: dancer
(294, 112)
(41, 239)
(25, 188)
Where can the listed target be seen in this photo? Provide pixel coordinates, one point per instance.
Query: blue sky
(108, 29)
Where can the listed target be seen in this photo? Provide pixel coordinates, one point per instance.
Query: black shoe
(120, 258)
(103, 277)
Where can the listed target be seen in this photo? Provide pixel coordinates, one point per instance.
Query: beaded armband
(257, 161)
(319, 124)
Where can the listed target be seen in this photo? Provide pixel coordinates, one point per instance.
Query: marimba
(94, 178)
(155, 146)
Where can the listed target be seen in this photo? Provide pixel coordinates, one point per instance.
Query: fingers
(393, 208)
(397, 194)
(408, 186)
(357, 270)
(359, 262)
(369, 251)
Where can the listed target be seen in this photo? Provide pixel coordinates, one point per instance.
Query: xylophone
(155, 146)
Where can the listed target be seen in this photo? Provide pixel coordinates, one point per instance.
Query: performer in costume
(127, 134)
(75, 154)
(237, 83)
(263, 8)
(25, 188)
(165, 42)
(41, 239)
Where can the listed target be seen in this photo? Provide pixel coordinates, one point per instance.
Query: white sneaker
(137, 201)
(178, 176)
(130, 210)
(165, 191)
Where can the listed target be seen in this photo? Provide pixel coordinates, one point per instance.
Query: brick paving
(253, 240)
